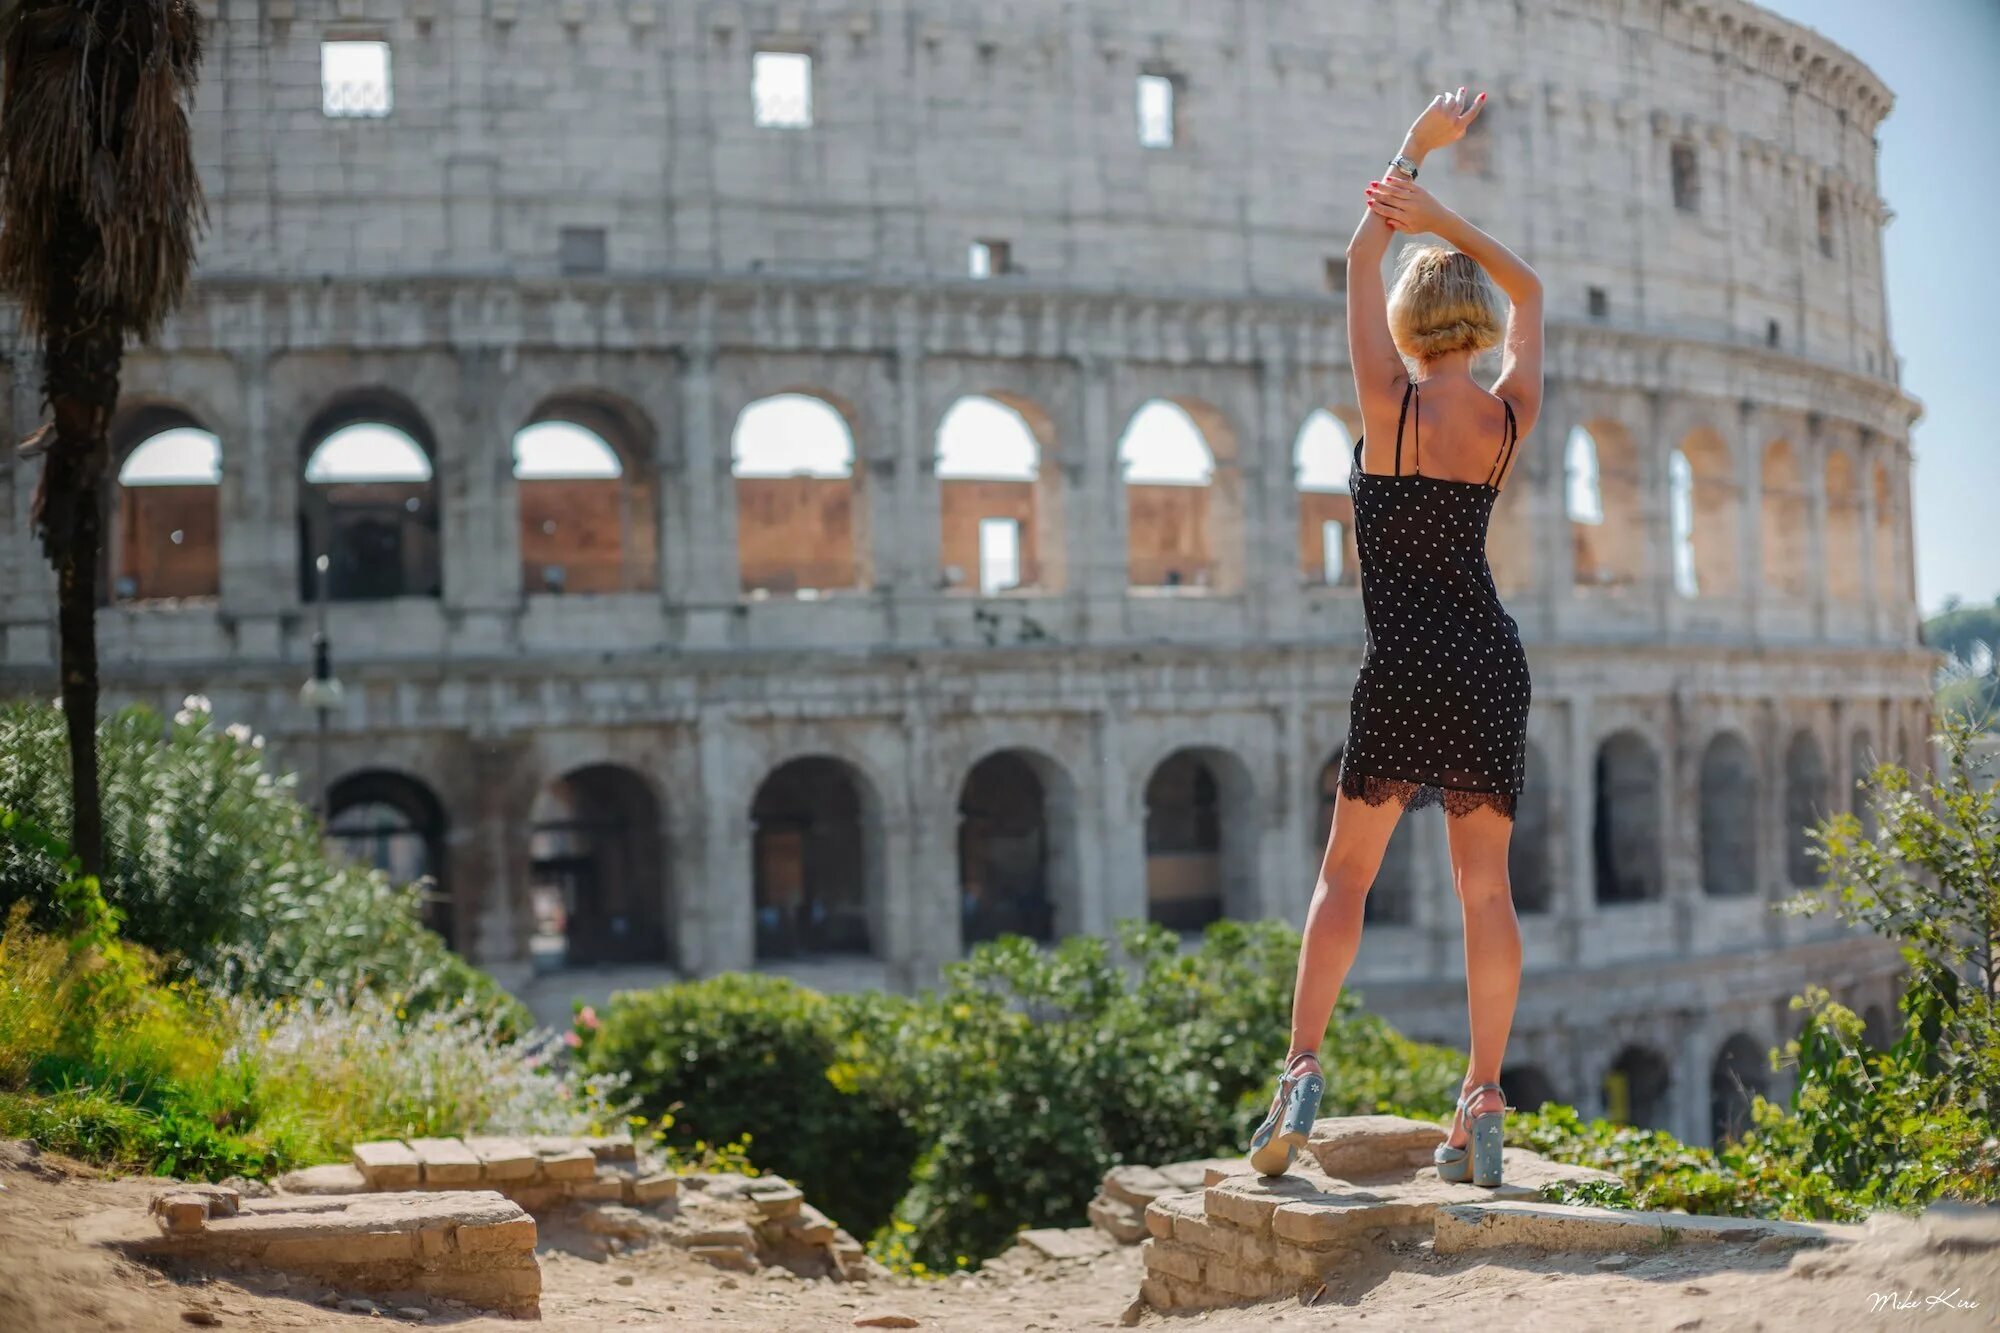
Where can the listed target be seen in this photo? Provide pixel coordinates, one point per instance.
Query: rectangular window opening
(989, 259)
(581, 250)
(999, 555)
(1157, 123)
(1600, 303)
(1773, 335)
(354, 80)
(1333, 550)
(781, 89)
(1686, 178)
(1336, 276)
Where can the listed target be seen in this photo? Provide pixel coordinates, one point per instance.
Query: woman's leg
(1492, 946)
(1354, 850)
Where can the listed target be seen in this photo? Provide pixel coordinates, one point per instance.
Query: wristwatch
(1404, 165)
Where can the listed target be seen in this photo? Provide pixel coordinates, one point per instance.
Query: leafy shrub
(215, 866)
(758, 1056)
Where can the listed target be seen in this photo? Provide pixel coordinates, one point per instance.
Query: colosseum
(812, 484)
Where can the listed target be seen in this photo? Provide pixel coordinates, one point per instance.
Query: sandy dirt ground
(1885, 1280)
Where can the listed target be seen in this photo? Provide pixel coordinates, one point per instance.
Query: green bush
(215, 866)
(760, 1056)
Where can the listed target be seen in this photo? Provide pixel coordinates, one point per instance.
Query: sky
(1940, 174)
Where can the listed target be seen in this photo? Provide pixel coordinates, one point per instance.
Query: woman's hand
(1445, 120)
(1406, 205)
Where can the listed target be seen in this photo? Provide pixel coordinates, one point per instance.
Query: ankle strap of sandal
(1293, 1063)
(1466, 1098)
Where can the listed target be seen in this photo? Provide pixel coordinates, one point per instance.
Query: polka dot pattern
(1440, 713)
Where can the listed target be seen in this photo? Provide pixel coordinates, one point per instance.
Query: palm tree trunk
(82, 353)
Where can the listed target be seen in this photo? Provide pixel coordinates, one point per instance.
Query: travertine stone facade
(1696, 182)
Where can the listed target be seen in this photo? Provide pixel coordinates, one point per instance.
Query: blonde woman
(1440, 708)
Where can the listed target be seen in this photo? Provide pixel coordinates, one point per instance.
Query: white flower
(239, 732)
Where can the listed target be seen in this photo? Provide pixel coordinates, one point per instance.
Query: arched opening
(989, 468)
(1016, 854)
(1728, 818)
(1528, 1087)
(1529, 868)
(1889, 548)
(165, 537)
(796, 497)
(1704, 495)
(1805, 805)
(1181, 507)
(394, 823)
(1787, 524)
(369, 506)
(814, 855)
(1740, 1076)
(595, 871)
(1635, 1088)
(1860, 770)
(1322, 458)
(1843, 530)
(1625, 827)
(1199, 843)
(1391, 899)
(587, 502)
(1601, 495)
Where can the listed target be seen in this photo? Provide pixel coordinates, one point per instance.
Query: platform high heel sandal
(1290, 1122)
(1479, 1161)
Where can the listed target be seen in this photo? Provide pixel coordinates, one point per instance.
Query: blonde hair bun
(1442, 301)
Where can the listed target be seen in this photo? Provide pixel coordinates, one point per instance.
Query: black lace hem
(1371, 790)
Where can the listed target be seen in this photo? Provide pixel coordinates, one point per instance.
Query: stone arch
(1322, 458)
(1888, 545)
(1786, 524)
(1636, 1087)
(1602, 496)
(395, 823)
(164, 538)
(369, 500)
(1183, 497)
(1707, 524)
(995, 493)
(1741, 1074)
(1200, 838)
(585, 475)
(798, 529)
(1527, 1087)
(1391, 898)
(1728, 817)
(1843, 529)
(1530, 868)
(1625, 826)
(1018, 858)
(816, 859)
(1805, 803)
(595, 868)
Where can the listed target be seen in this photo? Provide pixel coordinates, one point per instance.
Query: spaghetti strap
(1509, 433)
(1401, 416)
(1417, 431)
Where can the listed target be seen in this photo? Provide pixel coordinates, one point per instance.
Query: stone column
(1813, 462)
(487, 856)
(259, 543)
(929, 874)
(1576, 896)
(1750, 513)
(698, 515)
(908, 541)
(1122, 813)
(1692, 1082)
(1271, 510)
(1097, 519)
(479, 513)
(712, 860)
(1655, 453)
(1865, 456)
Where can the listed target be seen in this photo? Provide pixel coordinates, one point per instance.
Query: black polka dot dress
(1440, 712)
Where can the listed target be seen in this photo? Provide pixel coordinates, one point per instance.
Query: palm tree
(100, 205)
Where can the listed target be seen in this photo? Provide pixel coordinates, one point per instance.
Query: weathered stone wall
(405, 269)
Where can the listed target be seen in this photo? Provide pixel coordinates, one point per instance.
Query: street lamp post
(322, 691)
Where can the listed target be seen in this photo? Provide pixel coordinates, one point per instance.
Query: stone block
(1065, 1243)
(446, 1163)
(538, 1198)
(503, 1159)
(1120, 1221)
(569, 1165)
(725, 1256)
(1174, 1260)
(514, 1234)
(611, 1147)
(1136, 1186)
(657, 1188)
(604, 1187)
(181, 1213)
(1161, 1212)
(1299, 1262)
(335, 1178)
(1470, 1228)
(812, 1226)
(336, 1246)
(1194, 1174)
(388, 1165)
(778, 1203)
(1250, 1201)
(1251, 1282)
(732, 1232)
(1367, 1147)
